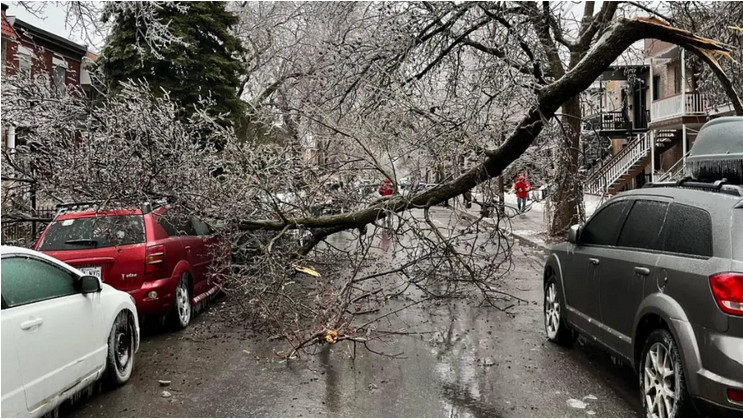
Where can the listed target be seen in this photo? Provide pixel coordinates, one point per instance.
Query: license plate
(92, 270)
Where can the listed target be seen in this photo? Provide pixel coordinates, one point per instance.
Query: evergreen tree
(206, 61)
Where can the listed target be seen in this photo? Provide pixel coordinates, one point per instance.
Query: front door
(583, 268)
(628, 269)
(56, 327)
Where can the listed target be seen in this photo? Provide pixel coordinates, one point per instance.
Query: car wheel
(180, 314)
(662, 383)
(120, 361)
(554, 325)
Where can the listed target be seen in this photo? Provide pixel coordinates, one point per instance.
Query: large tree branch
(536, 67)
(618, 38)
(600, 21)
(457, 41)
(541, 24)
(500, 53)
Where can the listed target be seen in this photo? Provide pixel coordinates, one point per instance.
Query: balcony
(690, 104)
(618, 121)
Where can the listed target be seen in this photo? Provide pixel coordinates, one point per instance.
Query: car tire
(121, 341)
(182, 311)
(662, 379)
(554, 322)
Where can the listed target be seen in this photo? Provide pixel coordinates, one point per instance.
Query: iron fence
(23, 230)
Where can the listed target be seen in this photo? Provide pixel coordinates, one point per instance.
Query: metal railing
(618, 121)
(671, 107)
(695, 104)
(676, 171)
(619, 165)
(23, 229)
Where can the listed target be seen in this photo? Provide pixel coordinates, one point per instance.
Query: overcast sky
(52, 19)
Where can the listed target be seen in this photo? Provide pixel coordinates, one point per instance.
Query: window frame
(59, 85)
(25, 55)
(665, 232)
(656, 87)
(195, 221)
(626, 203)
(73, 276)
(660, 230)
(183, 221)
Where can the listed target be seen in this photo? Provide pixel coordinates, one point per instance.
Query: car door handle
(188, 248)
(642, 270)
(30, 324)
(593, 261)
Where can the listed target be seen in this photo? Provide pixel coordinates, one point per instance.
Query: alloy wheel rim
(551, 311)
(184, 308)
(659, 381)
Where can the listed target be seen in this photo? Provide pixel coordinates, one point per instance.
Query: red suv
(162, 259)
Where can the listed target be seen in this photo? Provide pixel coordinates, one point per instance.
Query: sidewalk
(531, 227)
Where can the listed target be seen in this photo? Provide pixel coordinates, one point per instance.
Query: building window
(24, 61)
(656, 87)
(58, 78)
(3, 57)
(58, 74)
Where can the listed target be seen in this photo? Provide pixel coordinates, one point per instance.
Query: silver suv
(656, 277)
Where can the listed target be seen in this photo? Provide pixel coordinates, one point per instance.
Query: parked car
(656, 277)
(61, 331)
(161, 258)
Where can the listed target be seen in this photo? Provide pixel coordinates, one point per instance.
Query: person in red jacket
(522, 188)
(386, 189)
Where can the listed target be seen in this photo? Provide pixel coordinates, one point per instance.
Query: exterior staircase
(623, 167)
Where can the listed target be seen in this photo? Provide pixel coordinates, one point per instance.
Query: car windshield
(94, 232)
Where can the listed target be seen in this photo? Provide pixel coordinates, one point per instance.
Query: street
(456, 358)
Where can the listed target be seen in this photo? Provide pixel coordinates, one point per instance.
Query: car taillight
(154, 258)
(735, 395)
(728, 291)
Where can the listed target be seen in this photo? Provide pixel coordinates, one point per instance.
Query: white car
(61, 331)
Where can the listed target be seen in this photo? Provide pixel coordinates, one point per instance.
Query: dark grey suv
(656, 277)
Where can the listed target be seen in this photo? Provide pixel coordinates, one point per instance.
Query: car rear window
(94, 232)
(688, 230)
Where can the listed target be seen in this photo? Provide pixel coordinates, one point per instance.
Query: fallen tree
(132, 148)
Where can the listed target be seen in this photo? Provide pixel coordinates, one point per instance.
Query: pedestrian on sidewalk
(467, 197)
(387, 189)
(522, 188)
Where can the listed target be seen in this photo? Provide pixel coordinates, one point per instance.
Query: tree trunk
(569, 191)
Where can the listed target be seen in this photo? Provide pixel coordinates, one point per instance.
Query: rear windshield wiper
(93, 242)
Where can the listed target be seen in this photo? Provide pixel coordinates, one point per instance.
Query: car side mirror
(90, 284)
(574, 233)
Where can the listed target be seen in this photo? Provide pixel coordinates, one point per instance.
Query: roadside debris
(577, 404)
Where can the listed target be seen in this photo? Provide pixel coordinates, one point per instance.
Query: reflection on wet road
(459, 359)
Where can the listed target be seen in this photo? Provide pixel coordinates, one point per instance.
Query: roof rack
(688, 182)
(146, 207)
(74, 206)
(150, 206)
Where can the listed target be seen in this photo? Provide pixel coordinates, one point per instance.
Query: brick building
(34, 51)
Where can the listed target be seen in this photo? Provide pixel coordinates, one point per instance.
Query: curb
(522, 239)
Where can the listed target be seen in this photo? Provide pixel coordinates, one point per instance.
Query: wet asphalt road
(465, 359)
